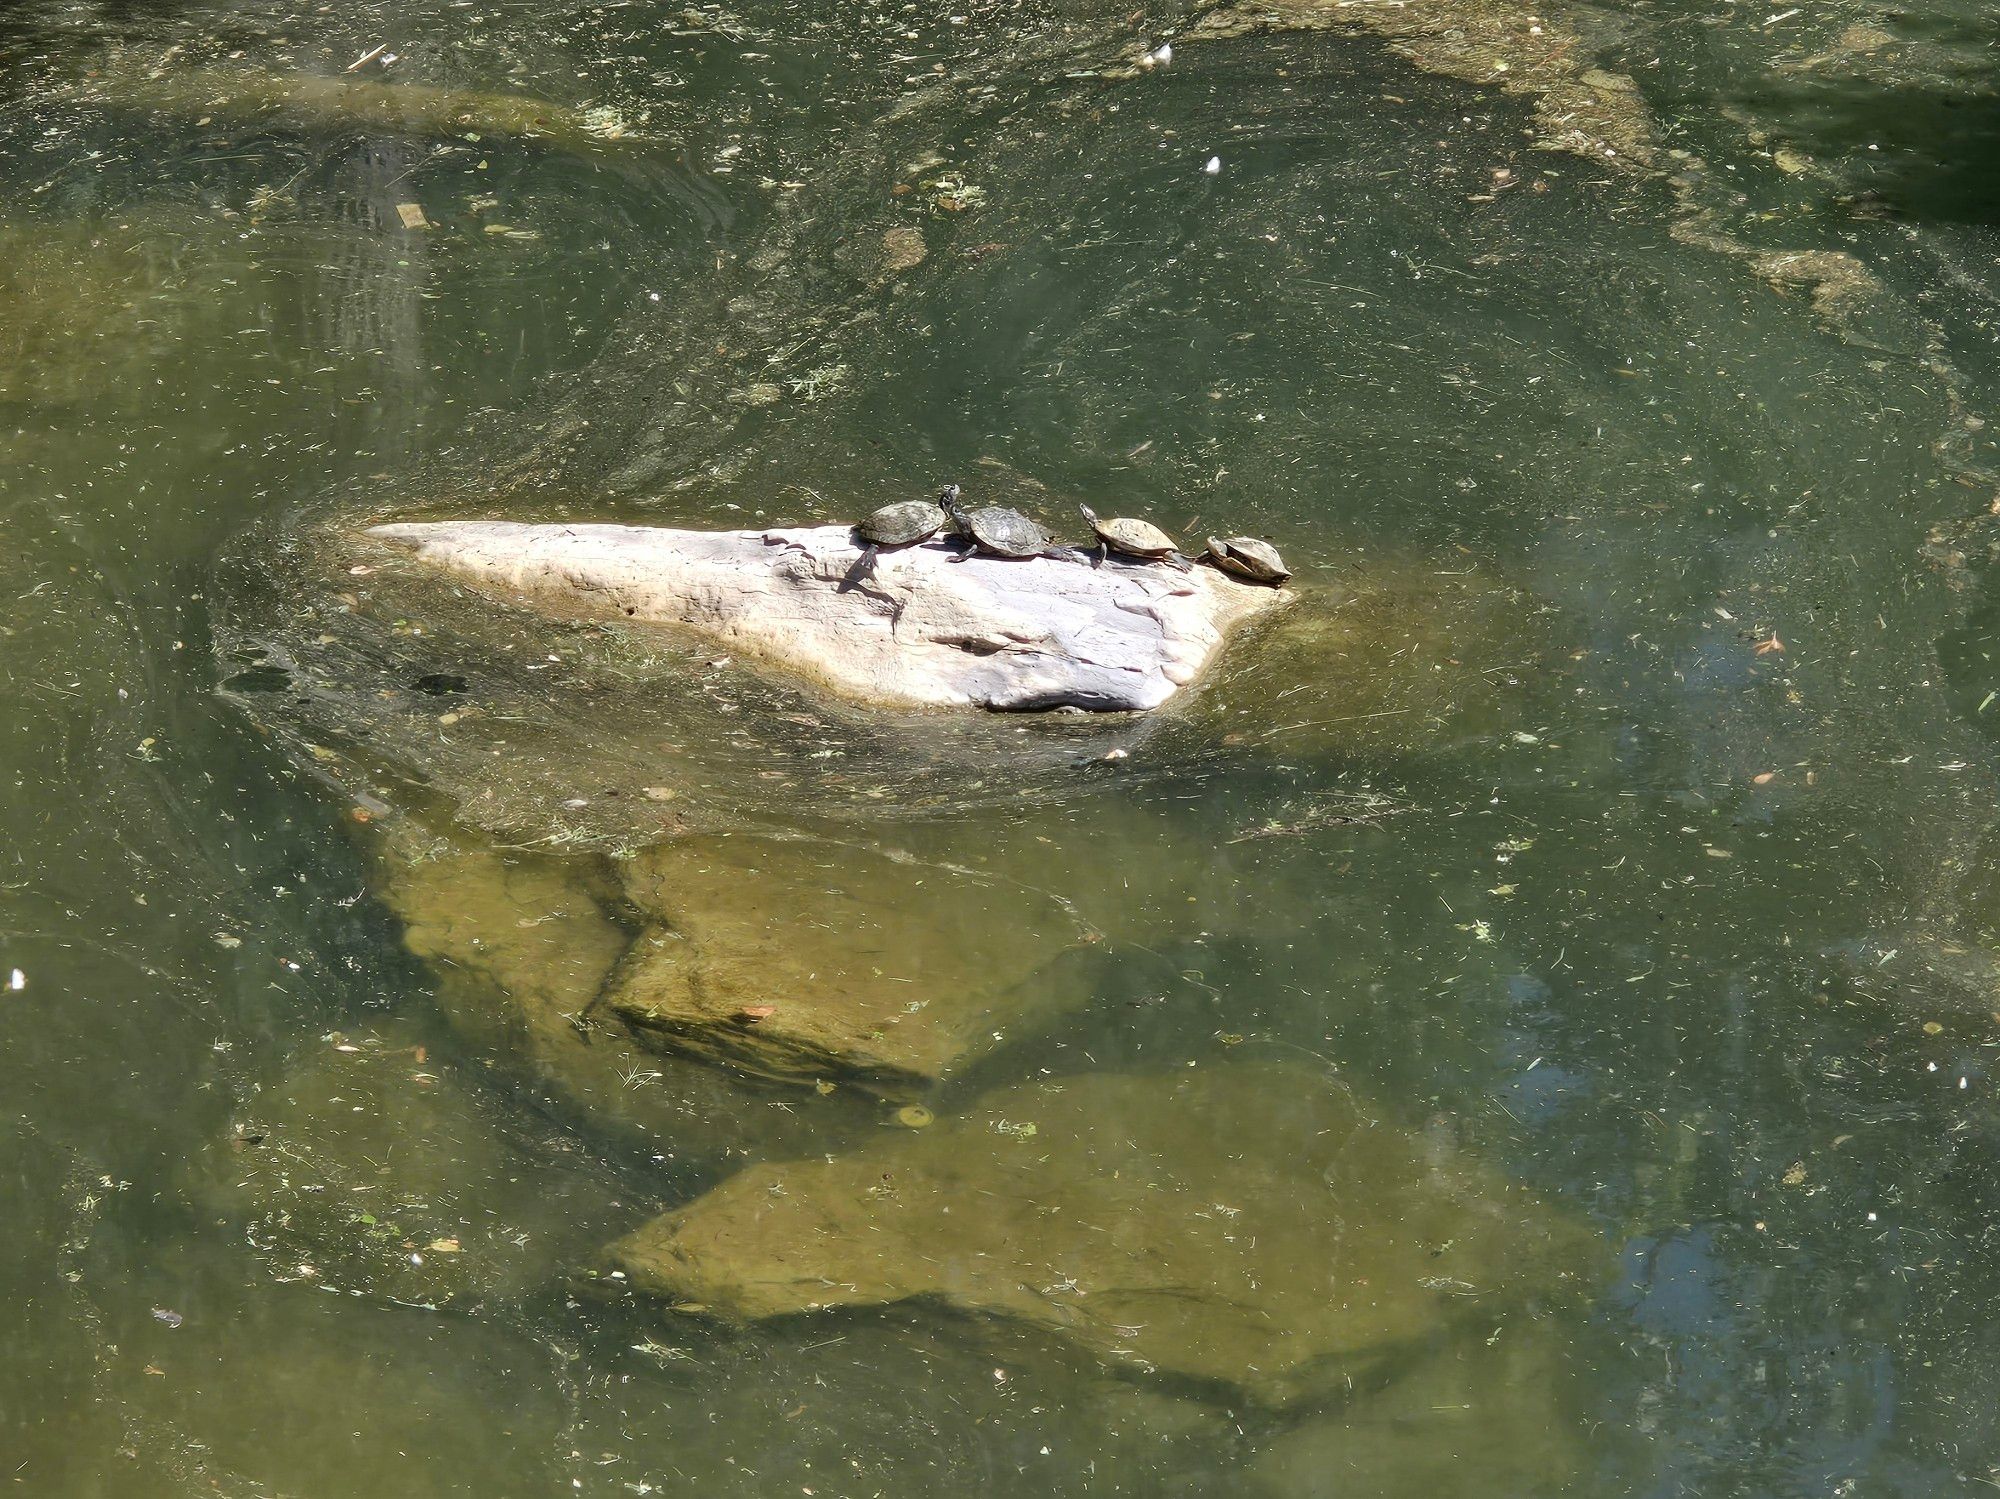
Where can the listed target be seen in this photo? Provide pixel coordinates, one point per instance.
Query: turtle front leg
(1178, 562)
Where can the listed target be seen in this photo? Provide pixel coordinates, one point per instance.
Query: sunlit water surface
(1679, 711)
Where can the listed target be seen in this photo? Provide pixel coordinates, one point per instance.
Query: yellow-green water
(1666, 495)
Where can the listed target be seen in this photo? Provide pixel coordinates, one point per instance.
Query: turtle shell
(1138, 538)
(902, 523)
(1247, 557)
(1007, 532)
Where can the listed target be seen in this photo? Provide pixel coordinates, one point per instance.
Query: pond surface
(1628, 369)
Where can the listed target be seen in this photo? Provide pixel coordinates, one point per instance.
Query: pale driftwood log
(913, 627)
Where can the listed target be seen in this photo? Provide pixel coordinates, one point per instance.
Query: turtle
(1134, 538)
(902, 524)
(1247, 557)
(994, 530)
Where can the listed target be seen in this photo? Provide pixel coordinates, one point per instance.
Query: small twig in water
(1317, 723)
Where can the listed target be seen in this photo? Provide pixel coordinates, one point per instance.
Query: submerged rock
(1578, 107)
(370, 1169)
(1505, 1408)
(799, 961)
(1252, 1230)
(238, 91)
(917, 627)
(1394, 653)
(861, 972)
(521, 946)
(67, 299)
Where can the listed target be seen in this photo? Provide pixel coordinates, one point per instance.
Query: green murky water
(1654, 474)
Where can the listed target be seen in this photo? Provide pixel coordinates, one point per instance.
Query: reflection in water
(1605, 815)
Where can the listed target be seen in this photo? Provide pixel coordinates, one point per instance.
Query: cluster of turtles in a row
(1000, 532)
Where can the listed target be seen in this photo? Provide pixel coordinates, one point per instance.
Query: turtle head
(948, 500)
(1088, 514)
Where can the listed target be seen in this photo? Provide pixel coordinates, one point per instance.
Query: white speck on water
(17, 981)
(1214, 167)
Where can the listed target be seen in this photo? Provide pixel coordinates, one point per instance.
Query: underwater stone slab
(367, 1169)
(1516, 1411)
(521, 947)
(1250, 1229)
(319, 101)
(917, 628)
(800, 960)
(803, 960)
